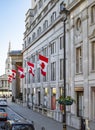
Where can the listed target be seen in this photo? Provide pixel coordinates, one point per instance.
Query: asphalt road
(40, 121)
(12, 116)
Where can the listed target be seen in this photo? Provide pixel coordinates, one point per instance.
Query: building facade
(16, 60)
(8, 65)
(44, 35)
(4, 86)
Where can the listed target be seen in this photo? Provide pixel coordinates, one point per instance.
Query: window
(93, 14)
(28, 75)
(53, 48)
(78, 60)
(25, 79)
(33, 79)
(45, 25)
(40, 4)
(61, 69)
(93, 55)
(61, 43)
(53, 71)
(33, 58)
(33, 36)
(80, 104)
(38, 74)
(45, 51)
(29, 40)
(39, 31)
(53, 17)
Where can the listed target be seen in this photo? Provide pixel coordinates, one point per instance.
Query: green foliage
(65, 101)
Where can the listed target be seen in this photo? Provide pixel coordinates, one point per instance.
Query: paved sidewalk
(40, 121)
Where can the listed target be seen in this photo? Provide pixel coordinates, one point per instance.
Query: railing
(55, 114)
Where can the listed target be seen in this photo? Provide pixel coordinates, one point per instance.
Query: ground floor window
(53, 98)
(93, 103)
(80, 103)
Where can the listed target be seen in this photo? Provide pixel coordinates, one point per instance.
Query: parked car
(3, 102)
(3, 114)
(12, 125)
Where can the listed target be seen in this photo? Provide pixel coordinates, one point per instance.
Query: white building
(44, 35)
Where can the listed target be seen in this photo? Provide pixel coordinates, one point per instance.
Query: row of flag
(43, 61)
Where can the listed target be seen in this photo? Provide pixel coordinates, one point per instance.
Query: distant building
(4, 86)
(16, 60)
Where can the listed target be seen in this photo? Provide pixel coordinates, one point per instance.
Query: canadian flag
(21, 72)
(31, 68)
(43, 64)
(10, 77)
(14, 73)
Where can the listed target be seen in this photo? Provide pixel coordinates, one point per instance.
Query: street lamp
(64, 12)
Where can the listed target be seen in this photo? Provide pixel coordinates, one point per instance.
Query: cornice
(43, 33)
(74, 4)
(52, 6)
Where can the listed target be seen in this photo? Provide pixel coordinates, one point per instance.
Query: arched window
(53, 16)
(39, 31)
(45, 25)
(33, 36)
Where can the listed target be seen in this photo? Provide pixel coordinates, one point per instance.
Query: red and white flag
(10, 77)
(43, 64)
(14, 73)
(31, 68)
(21, 72)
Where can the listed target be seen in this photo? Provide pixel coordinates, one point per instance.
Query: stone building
(8, 65)
(44, 35)
(5, 90)
(16, 60)
(5, 86)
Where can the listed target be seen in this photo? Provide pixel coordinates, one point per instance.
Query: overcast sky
(12, 26)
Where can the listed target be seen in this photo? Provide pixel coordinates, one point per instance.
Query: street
(11, 116)
(40, 122)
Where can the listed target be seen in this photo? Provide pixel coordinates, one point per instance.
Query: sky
(12, 27)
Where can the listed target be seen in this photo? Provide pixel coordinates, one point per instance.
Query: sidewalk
(41, 122)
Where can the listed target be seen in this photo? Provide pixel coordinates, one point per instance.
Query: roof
(15, 52)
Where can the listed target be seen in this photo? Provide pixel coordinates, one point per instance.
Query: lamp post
(64, 12)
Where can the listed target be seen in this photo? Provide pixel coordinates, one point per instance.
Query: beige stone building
(16, 60)
(5, 90)
(44, 35)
